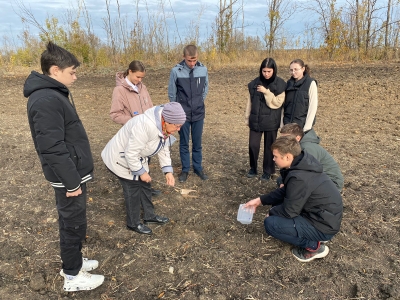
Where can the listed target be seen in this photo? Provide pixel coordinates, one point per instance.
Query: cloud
(180, 15)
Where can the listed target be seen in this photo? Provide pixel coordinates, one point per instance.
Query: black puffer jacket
(58, 134)
(297, 101)
(308, 192)
(262, 117)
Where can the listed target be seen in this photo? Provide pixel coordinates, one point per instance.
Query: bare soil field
(204, 253)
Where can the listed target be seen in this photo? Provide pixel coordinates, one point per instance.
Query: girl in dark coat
(301, 100)
(263, 115)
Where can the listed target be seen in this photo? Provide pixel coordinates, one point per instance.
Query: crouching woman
(127, 153)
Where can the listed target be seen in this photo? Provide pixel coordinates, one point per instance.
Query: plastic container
(245, 215)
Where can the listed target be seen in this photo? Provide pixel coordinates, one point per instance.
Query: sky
(183, 10)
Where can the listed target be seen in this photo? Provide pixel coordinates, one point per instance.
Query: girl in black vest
(263, 115)
(301, 100)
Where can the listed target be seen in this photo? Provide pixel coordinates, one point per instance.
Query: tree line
(349, 30)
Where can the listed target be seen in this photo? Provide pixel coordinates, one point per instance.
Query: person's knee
(254, 145)
(269, 225)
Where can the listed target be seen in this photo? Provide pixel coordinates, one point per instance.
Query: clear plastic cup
(245, 215)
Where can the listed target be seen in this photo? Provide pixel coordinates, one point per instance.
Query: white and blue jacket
(127, 153)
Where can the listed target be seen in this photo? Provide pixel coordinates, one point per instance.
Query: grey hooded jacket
(310, 144)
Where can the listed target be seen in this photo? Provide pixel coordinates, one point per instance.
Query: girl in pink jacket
(130, 96)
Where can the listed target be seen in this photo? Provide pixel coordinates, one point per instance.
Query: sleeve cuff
(140, 172)
(168, 169)
(75, 189)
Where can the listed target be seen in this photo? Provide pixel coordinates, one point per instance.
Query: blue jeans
(196, 130)
(297, 231)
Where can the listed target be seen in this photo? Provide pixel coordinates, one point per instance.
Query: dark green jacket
(310, 144)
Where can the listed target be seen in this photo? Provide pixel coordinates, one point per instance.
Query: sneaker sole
(319, 255)
(76, 289)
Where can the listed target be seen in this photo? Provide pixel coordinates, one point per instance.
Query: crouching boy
(308, 210)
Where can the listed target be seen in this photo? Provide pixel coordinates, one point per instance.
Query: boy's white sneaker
(89, 264)
(84, 281)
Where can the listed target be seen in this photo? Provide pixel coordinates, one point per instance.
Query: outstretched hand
(253, 204)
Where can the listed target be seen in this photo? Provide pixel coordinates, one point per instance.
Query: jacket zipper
(124, 167)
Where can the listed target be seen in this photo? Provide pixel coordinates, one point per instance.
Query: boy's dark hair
(57, 56)
(135, 66)
(292, 129)
(190, 50)
(287, 144)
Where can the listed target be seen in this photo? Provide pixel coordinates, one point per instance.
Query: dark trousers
(137, 194)
(254, 150)
(297, 231)
(196, 130)
(72, 226)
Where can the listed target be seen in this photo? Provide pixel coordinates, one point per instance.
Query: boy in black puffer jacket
(64, 152)
(308, 209)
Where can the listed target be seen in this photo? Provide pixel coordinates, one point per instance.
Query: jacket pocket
(73, 154)
(79, 156)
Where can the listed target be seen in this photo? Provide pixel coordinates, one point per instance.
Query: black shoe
(252, 173)
(183, 176)
(143, 229)
(265, 176)
(157, 220)
(155, 192)
(201, 175)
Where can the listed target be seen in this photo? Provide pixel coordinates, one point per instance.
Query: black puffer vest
(262, 118)
(297, 101)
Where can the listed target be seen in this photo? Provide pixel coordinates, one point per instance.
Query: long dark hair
(271, 64)
(135, 66)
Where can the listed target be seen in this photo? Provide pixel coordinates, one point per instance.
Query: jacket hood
(37, 81)
(310, 137)
(306, 162)
(120, 81)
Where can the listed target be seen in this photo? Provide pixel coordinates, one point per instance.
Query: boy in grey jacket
(309, 142)
(188, 85)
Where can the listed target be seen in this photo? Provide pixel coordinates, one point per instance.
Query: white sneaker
(89, 264)
(84, 281)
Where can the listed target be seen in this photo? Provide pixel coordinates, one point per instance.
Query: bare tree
(387, 26)
(279, 11)
(27, 17)
(332, 28)
(108, 27)
(224, 24)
